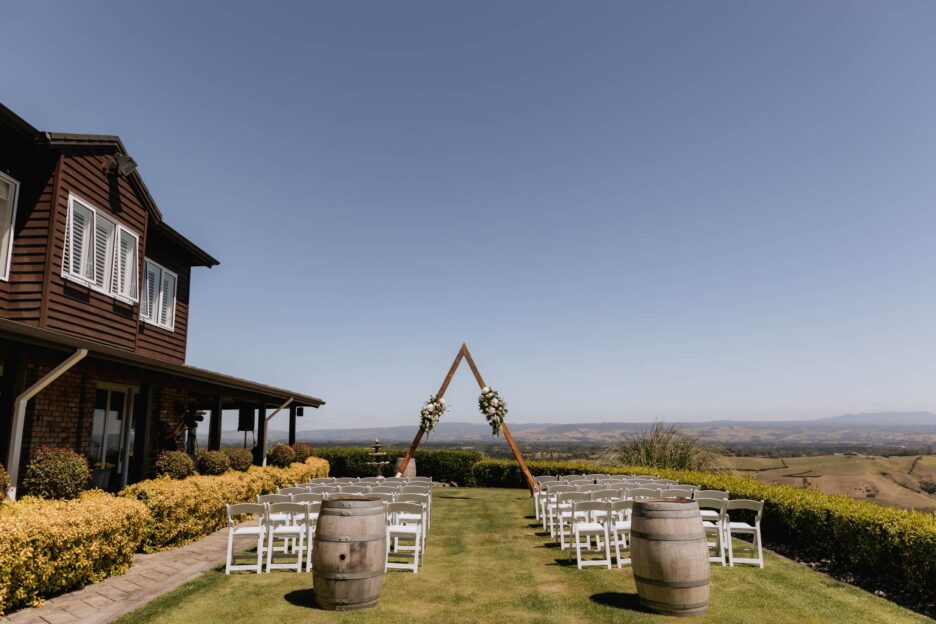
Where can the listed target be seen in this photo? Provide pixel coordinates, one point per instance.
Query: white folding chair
(293, 490)
(676, 493)
(643, 492)
(314, 509)
(295, 529)
(541, 482)
(713, 512)
(352, 489)
(587, 525)
(423, 501)
(404, 522)
(745, 528)
(551, 505)
(620, 527)
(564, 514)
(258, 530)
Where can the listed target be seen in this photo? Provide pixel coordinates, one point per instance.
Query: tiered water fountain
(378, 458)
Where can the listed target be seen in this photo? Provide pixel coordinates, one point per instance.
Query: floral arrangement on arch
(494, 409)
(431, 411)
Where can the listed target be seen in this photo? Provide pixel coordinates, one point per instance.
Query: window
(159, 296)
(99, 252)
(9, 189)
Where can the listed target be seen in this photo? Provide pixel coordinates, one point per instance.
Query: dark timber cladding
(84, 342)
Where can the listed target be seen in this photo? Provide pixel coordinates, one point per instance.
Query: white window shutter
(150, 292)
(167, 300)
(78, 257)
(126, 270)
(100, 268)
(7, 195)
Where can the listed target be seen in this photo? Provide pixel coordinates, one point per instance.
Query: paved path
(149, 577)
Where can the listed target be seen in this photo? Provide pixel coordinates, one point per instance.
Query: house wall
(37, 292)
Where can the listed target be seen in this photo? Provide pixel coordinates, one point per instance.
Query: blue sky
(629, 211)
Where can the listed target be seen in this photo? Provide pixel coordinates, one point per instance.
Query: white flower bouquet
(431, 411)
(493, 408)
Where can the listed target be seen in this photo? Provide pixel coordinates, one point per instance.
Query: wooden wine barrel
(410, 467)
(670, 556)
(348, 553)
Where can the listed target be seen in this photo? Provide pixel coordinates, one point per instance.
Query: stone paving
(150, 576)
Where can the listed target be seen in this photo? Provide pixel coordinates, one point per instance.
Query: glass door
(111, 437)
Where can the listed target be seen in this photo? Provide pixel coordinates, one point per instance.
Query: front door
(112, 436)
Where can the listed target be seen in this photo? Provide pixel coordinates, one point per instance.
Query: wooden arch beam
(464, 354)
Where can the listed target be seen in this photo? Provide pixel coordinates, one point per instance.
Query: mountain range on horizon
(868, 427)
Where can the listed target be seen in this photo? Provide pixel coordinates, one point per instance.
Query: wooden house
(94, 313)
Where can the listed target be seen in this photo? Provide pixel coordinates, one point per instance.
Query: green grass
(486, 562)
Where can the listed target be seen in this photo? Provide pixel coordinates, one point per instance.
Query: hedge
(187, 509)
(884, 547)
(52, 546)
(441, 465)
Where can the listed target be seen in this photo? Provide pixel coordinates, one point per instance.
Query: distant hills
(865, 428)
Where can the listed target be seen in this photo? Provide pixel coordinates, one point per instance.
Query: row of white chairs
(558, 501)
(372, 480)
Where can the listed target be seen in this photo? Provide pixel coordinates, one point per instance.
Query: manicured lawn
(486, 562)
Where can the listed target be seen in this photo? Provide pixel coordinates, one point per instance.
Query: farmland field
(887, 480)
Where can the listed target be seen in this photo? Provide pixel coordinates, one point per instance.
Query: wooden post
(292, 425)
(261, 434)
(464, 353)
(214, 425)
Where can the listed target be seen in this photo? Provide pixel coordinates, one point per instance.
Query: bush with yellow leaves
(187, 509)
(51, 546)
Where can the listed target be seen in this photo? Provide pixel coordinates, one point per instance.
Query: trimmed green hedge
(441, 465)
(52, 546)
(882, 546)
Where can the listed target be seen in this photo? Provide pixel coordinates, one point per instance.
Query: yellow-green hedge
(883, 547)
(187, 509)
(51, 546)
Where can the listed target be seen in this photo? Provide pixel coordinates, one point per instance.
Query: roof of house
(58, 340)
(65, 140)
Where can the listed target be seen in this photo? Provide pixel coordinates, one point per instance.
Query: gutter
(19, 415)
(278, 410)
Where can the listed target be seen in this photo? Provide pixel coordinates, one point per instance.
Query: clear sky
(629, 210)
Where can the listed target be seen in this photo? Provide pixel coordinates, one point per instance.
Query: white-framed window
(159, 295)
(9, 192)
(99, 252)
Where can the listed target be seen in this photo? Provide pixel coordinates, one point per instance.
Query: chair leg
(607, 547)
(617, 548)
(260, 537)
(730, 551)
(578, 550)
(269, 551)
(230, 551)
(760, 550)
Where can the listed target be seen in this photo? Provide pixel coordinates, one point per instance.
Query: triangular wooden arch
(464, 354)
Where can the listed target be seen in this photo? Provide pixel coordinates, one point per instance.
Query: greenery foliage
(212, 462)
(240, 459)
(664, 446)
(185, 510)
(56, 473)
(52, 546)
(441, 465)
(883, 547)
(175, 465)
(303, 451)
(281, 455)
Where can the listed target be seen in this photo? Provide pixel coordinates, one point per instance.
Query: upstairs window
(159, 296)
(9, 189)
(99, 252)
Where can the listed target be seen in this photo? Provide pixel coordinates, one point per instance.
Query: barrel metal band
(667, 607)
(667, 537)
(667, 515)
(348, 576)
(367, 511)
(373, 537)
(673, 584)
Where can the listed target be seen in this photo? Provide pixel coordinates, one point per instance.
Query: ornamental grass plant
(664, 446)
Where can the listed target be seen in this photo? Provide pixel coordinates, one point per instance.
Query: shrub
(175, 465)
(928, 486)
(185, 510)
(447, 466)
(56, 473)
(303, 451)
(4, 483)
(240, 459)
(882, 547)
(212, 462)
(664, 446)
(52, 546)
(281, 455)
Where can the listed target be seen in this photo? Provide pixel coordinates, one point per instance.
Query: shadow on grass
(619, 600)
(302, 598)
(438, 496)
